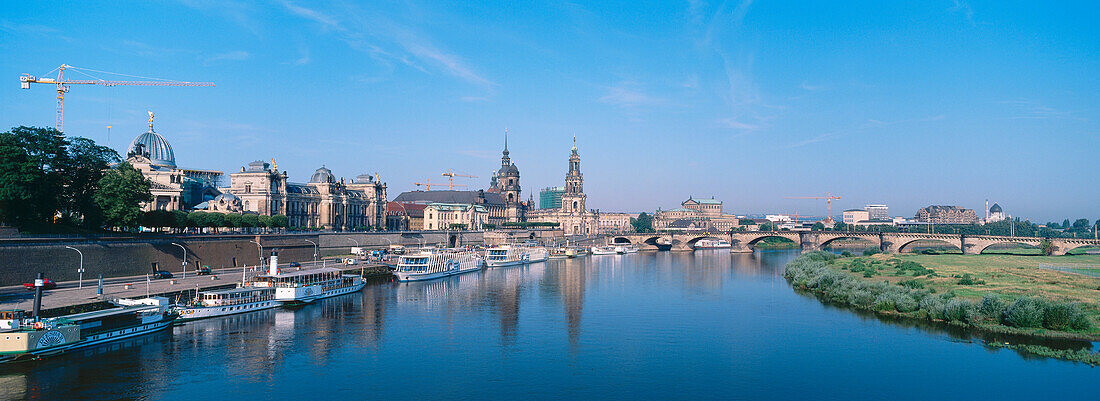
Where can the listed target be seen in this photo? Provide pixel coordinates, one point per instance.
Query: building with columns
(573, 217)
(324, 202)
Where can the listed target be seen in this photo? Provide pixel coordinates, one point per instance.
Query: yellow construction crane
(428, 184)
(62, 83)
(828, 201)
(451, 178)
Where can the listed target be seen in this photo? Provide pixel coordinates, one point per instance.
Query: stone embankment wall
(21, 258)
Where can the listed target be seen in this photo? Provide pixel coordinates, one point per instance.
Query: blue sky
(881, 102)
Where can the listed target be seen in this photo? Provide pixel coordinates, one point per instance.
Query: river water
(650, 325)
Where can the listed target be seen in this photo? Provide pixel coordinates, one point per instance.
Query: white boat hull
(203, 312)
(310, 293)
(413, 276)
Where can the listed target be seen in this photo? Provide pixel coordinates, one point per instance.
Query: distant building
(324, 202)
(550, 197)
(852, 216)
(173, 188)
(405, 216)
(995, 214)
(709, 207)
(507, 185)
(494, 204)
(573, 216)
(612, 223)
(445, 216)
(939, 214)
(877, 212)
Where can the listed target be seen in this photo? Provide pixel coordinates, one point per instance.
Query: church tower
(572, 200)
(508, 177)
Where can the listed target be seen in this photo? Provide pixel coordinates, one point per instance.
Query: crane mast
(62, 86)
(828, 201)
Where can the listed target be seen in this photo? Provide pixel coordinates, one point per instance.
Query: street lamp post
(314, 250)
(260, 253)
(80, 270)
(184, 258)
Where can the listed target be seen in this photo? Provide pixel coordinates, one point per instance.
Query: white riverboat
(604, 250)
(515, 255)
(302, 286)
(712, 244)
(227, 302)
(25, 338)
(435, 263)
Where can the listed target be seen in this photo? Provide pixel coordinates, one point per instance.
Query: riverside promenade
(69, 293)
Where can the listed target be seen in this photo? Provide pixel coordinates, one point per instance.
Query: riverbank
(986, 293)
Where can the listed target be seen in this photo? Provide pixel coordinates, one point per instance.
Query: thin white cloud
(627, 94)
(239, 55)
(386, 40)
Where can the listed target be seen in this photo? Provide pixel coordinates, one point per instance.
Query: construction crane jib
(62, 83)
(828, 200)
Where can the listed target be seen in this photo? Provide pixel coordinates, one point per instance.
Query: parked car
(295, 264)
(203, 271)
(162, 274)
(350, 261)
(47, 284)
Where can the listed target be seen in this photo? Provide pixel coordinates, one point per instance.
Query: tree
(279, 221)
(819, 226)
(643, 223)
(121, 192)
(250, 220)
(1047, 246)
(30, 180)
(263, 221)
(769, 226)
(1065, 224)
(233, 219)
(1054, 225)
(1081, 225)
(85, 166)
(179, 219)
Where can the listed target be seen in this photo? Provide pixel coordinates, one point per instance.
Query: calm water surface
(649, 325)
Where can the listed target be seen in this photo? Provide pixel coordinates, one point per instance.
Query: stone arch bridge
(818, 240)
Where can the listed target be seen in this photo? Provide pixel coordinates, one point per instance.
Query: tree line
(52, 183)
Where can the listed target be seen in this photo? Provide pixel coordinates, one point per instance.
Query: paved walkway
(70, 293)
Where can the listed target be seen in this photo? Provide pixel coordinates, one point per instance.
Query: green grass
(1007, 276)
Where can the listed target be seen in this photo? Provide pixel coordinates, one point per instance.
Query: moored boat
(227, 302)
(304, 286)
(436, 263)
(604, 250)
(28, 338)
(712, 244)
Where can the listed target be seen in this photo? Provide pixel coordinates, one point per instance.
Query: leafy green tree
(121, 192)
(233, 219)
(819, 226)
(85, 166)
(1054, 225)
(263, 221)
(179, 218)
(1081, 224)
(840, 226)
(643, 223)
(214, 220)
(250, 220)
(30, 178)
(196, 219)
(1065, 224)
(769, 226)
(279, 221)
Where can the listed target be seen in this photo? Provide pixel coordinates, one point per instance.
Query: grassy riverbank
(987, 293)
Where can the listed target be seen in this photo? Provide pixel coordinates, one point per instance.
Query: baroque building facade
(573, 216)
(173, 188)
(324, 202)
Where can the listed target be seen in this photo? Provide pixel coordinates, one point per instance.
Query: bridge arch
(909, 244)
(753, 242)
(621, 241)
(870, 243)
(691, 242)
(1005, 245)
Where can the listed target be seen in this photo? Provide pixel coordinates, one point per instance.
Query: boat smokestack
(274, 269)
(39, 281)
